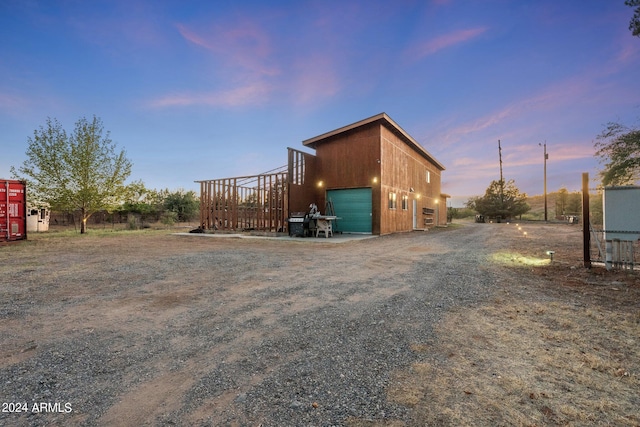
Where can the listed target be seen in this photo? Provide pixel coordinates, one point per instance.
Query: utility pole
(500, 157)
(499, 217)
(501, 178)
(546, 157)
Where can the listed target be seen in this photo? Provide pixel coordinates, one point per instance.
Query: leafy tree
(567, 203)
(502, 200)
(185, 204)
(471, 203)
(81, 172)
(169, 218)
(634, 24)
(595, 208)
(574, 205)
(618, 147)
(142, 201)
(562, 199)
(459, 213)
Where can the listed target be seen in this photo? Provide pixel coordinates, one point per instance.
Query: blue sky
(197, 90)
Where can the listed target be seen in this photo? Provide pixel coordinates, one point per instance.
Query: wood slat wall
(404, 172)
(303, 181)
(257, 202)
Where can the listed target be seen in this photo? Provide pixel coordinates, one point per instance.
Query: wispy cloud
(244, 46)
(511, 117)
(254, 70)
(10, 103)
(467, 175)
(251, 94)
(246, 72)
(315, 79)
(484, 122)
(627, 53)
(429, 47)
(532, 154)
(518, 125)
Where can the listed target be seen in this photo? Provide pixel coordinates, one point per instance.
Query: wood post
(586, 223)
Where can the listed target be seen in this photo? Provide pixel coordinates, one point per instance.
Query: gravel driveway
(160, 329)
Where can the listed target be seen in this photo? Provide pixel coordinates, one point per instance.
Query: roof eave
(385, 119)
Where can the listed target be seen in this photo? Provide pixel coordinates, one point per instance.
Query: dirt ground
(557, 344)
(116, 329)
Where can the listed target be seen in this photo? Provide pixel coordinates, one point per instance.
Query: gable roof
(384, 120)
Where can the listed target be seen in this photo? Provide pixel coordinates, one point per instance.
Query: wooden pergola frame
(255, 202)
(258, 202)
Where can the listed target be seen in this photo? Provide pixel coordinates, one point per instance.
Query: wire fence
(621, 253)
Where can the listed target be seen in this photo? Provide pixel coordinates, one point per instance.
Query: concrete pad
(336, 238)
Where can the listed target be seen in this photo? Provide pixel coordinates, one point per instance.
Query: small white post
(608, 254)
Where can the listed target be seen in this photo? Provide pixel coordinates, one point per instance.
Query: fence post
(586, 236)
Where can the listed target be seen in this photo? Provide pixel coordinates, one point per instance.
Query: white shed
(37, 218)
(621, 221)
(621, 212)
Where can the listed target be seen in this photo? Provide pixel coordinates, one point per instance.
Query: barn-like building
(377, 178)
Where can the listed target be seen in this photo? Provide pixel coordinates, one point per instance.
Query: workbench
(324, 224)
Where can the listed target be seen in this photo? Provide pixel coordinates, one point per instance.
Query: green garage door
(353, 207)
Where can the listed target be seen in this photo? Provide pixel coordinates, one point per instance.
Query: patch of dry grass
(519, 361)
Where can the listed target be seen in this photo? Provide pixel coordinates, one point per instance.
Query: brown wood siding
(376, 157)
(351, 160)
(404, 169)
(303, 190)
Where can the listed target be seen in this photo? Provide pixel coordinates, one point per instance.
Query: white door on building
(415, 214)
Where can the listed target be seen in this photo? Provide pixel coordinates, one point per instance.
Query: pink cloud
(533, 154)
(252, 94)
(569, 92)
(465, 161)
(244, 46)
(244, 50)
(10, 103)
(192, 37)
(432, 46)
(627, 53)
(486, 121)
(315, 78)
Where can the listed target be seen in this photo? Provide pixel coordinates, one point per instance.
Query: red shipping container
(13, 210)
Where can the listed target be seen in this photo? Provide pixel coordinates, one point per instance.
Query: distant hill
(558, 203)
(537, 203)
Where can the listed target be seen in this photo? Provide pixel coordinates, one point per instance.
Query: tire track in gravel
(381, 317)
(237, 332)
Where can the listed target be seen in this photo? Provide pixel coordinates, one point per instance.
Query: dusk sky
(196, 90)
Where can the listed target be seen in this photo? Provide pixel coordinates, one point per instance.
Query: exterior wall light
(375, 179)
(320, 183)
